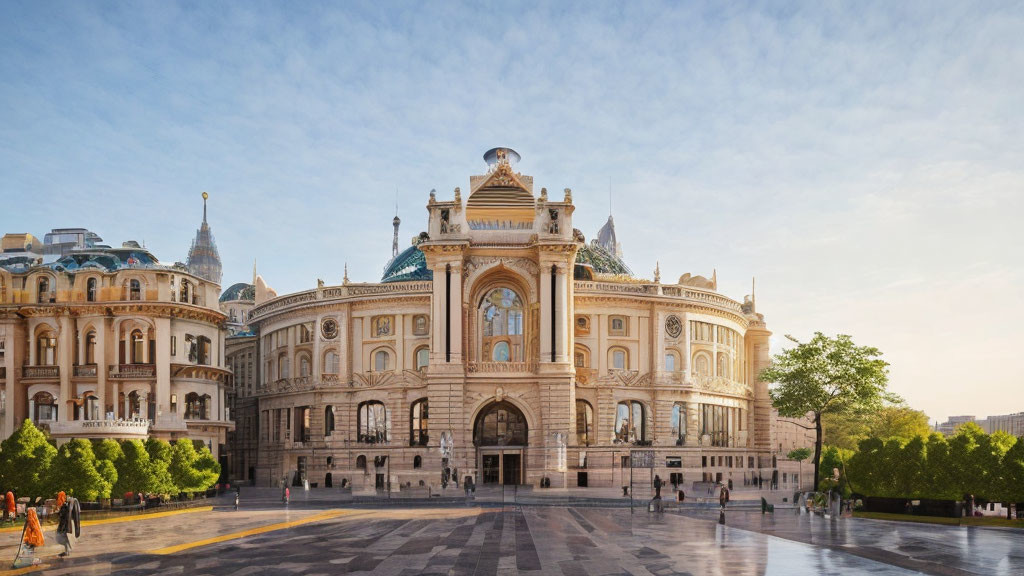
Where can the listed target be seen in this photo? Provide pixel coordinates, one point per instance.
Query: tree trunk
(817, 449)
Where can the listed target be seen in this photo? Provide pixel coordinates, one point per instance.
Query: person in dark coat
(69, 524)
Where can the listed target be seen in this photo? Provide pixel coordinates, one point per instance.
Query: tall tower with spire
(203, 258)
(394, 241)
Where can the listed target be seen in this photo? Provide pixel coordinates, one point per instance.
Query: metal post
(630, 485)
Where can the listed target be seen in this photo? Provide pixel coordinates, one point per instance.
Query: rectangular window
(174, 345)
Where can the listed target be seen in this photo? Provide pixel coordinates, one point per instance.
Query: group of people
(69, 523)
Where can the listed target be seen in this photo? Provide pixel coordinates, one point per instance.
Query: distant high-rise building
(607, 240)
(203, 258)
(61, 241)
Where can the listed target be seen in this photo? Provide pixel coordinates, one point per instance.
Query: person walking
(723, 497)
(10, 507)
(69, 522)
(657, 487)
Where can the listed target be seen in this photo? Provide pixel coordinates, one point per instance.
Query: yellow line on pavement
(254, 531)
(25, 570)
(117, 519)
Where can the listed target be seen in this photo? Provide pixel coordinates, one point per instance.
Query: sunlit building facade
(503, 345)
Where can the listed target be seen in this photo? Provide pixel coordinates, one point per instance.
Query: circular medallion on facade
(329, 328)
(673, 326)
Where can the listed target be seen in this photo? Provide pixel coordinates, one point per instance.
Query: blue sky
(863, 160)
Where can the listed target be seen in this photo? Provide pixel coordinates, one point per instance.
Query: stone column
(101, 366)
(562, 315)
(686, 350)
(545, 312)
(456, 312)
(65, 345)
(163, 365)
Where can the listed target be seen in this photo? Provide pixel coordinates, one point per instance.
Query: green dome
(599, 260)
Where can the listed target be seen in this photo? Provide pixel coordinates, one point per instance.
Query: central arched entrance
(500, 435)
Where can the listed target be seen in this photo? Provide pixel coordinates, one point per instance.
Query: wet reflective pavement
(543, 540)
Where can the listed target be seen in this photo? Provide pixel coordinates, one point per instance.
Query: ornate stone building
(504, 346)
(108, 343)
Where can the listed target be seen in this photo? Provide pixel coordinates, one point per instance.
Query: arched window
(619, 358)
(701, 365)
(500, 424)
(381, 361)
(422, 357)
(419, 325)
(134, 290)
(90, 290)
(185, 289)
(282, 366)
(373, 422)
(417, 462)
(92, 408)
(44, 291)
(679, 423)
(196, 406)
(90, 348)
(304, 367)
(46, 349)
(581, 357)
(723, 366)
(630, 422)
(671, 361)
(138, 346)
(331, 361)
(501, 316)
(361, 462)
(135, 405)
(328, 420)
(45, 409)
(584, 423)
(418, 423)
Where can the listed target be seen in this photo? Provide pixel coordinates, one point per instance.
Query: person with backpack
(69, 522)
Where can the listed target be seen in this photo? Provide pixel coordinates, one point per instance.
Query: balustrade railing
(501, 367)
(122, 371)
(40, 372)
(85, 371)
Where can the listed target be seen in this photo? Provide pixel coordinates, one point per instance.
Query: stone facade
(505, 347)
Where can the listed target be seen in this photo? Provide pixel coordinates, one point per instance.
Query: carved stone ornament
(329, 328)
(673, 326)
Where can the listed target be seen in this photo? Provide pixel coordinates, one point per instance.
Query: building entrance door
(501, 466)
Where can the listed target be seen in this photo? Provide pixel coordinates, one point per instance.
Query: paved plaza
(531, 539)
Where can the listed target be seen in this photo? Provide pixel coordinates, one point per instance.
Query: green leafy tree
(1013, 472)
(74, 471)
(901, 422)
(25, 459)
(834, 457)
(827, 376)
(134, 469)
(940, 469)
(108, 453)
(799, 454)
(160, 453)
(192, 470)
(159, 450)
(207, 469)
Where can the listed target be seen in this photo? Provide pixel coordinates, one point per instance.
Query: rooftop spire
(205, 197)
(203, 258)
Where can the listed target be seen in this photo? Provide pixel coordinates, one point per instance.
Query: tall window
(679, 423)
(282, 366)
(197, 407)
(422, 358)
(418, 424)
(90, 290)
(331, 360)
(630, 422)
(302, 424)
(328, 420)
(373, 422)
(381, 361)
(46, 349)
(44, 290)
(670, 362)
(134, 290)
(703, 367)
(90, 348)
(501, 314)
(138, 345)
(584, 423)
(204, 345)
(714, 423)
(303, 366)
(723, 366)
(620, 359)
(185, 289)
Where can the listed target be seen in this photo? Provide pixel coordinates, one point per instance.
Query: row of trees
(31, 466)
(989, 466)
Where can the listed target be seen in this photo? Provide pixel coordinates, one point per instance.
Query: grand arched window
(630, 422)
(373, 422)
(304, 367)
(328, 420)
(418, 423)
(679, 423)
(422, 357)
(619, 358)
(500, 424)
(501, 317)
(381, 361)
(46, 349)
(90, 290)
(584, 423)
(134, 290)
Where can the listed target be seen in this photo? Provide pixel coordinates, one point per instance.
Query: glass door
(491, 468)
(510, 468)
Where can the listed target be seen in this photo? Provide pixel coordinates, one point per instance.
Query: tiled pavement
(556, 540)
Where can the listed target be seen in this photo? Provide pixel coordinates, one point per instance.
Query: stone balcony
(86, 371)
(28, 372)
(136, 429)
(132, 371)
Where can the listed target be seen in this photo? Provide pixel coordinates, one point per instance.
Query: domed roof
(411, 264)
(239, 291)
(601, 261)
